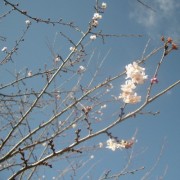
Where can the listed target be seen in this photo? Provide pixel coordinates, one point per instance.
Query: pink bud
(154, 80)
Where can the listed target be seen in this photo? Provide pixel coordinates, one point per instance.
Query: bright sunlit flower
(93, 37)
(136, 73)
(57, 59)
(81, 69)
(74, 125)
(29, 73)
(139, 77)
(111, 144)
(95, 23)
(104, 5)
(97, 16)
(130, 98)
(28, 22)
(72, 49)
(128, 86)
(103, 106)
(126, 144)
(4, 49)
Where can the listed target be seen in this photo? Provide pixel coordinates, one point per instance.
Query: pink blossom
(154, 80)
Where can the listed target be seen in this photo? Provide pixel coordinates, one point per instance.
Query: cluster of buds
(51, 144)
(95, 19)
(98, 16)
(23, 157)
(167, 42)
(86, 110)
(136, 75)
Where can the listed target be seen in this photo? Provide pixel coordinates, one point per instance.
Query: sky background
(121, 17)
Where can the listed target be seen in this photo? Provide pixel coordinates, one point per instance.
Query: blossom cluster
(135, 75)
(95, 19)
(113, 144)
(167, 42)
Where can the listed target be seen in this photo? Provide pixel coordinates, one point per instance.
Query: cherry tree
(57, 114)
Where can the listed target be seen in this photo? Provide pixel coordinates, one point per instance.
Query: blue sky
(124, 18)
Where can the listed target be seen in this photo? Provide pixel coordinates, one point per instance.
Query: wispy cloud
(144, 17)
(165, 18)
(167, 6)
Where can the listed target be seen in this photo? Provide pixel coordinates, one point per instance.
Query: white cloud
(166, 5)
(146, 18)
(165, 19)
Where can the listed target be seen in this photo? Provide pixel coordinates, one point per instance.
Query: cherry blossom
(93, 37)
(97, 16)
(28, 22)
(4, 49)
(104, 5)
(136, 73)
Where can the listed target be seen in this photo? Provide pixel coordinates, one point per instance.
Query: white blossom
(97, 16)
(95, 23)
(72, 49)
(130, 98)
(74, 125)
(4, 49)
(128, 86)
(111, 144)
(103, 5)
(93, 37)
(29, 73)
(137, 76)
(57, 59)
(136, 73)
(81, 69)
(103, 106)
(28, 22)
